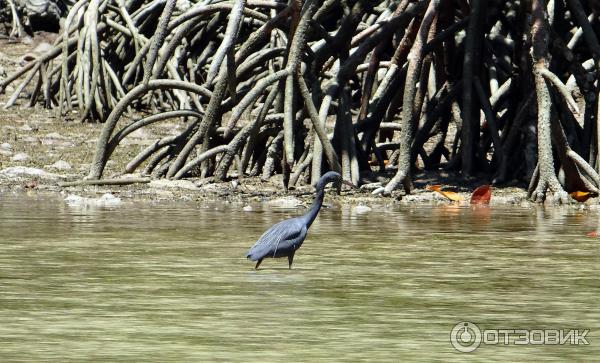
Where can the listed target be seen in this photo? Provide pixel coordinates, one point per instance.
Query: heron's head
(332, 177)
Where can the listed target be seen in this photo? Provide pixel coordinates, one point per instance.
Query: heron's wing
(275, 237)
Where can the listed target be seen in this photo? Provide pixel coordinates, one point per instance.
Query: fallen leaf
(592, 234)
(580, 196)
(449, 195)
(481, 195)
(434, 188)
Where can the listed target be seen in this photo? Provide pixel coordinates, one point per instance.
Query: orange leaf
(450, 195)
(481, 195)
(434, 188)
(580, 196)
(592, 234)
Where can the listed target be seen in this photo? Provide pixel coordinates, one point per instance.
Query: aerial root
(265, 88)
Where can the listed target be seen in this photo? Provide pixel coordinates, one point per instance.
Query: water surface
(169, 282)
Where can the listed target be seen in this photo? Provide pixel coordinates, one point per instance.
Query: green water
(169, 282)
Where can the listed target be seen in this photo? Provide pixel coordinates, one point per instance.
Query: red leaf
(481, 195)
(592, 234)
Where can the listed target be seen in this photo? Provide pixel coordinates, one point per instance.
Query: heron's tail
(257, 252)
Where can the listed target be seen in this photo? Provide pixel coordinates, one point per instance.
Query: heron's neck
(314, 210)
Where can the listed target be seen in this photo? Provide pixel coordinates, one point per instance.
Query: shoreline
(250, 191)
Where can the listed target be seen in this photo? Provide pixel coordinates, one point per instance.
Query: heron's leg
(291, 259)
(258, 264)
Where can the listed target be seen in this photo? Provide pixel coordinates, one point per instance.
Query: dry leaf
(434, 188)
(592, 234)
(481, 195)
(449, 195)
(580, 196)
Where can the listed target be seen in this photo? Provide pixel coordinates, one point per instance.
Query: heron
(285, 237)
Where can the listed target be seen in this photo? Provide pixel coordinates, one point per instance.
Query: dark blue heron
(284, 238)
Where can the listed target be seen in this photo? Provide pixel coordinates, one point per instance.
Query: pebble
(73, 199)
(16, 171)
(5, 146)
(423, 197)
(25, 128)
(20, 157)
(179, 184)
(54, 135)
(106, 200)
(109, 200)
(60, 165)
(42, 48)
(370, 186)
(525, 204)
(285, 202)
(361, 209)
(247, 208)
(164, 194)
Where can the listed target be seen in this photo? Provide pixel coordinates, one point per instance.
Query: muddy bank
(39, 150)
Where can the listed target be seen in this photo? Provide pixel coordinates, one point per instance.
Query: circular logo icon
(465, 337)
